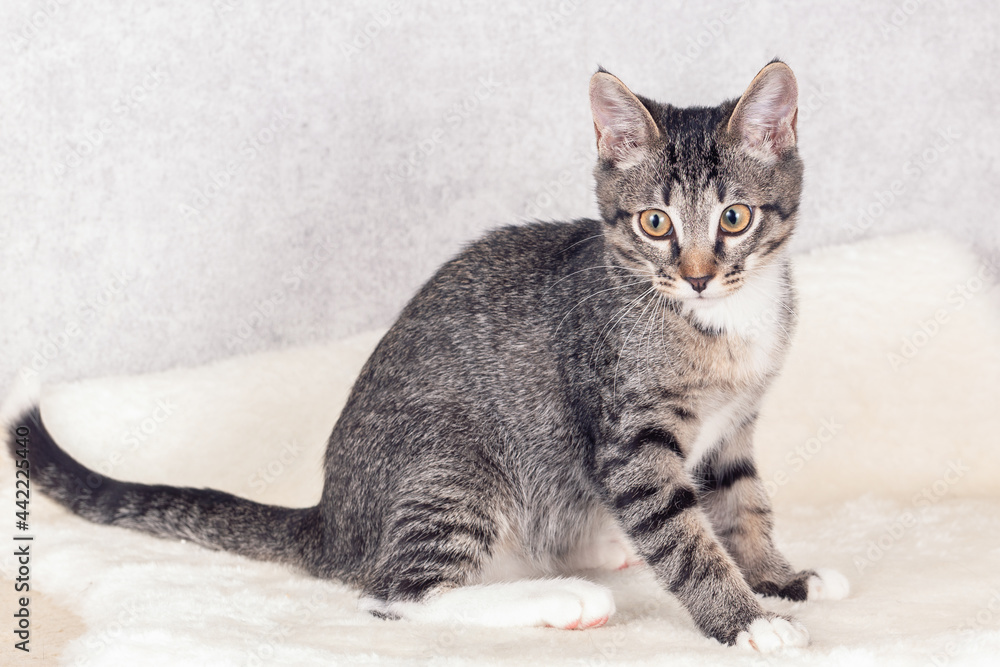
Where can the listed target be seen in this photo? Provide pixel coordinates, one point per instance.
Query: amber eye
(735, 219)
(656, 223)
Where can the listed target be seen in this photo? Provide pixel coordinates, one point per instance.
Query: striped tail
(213, 519)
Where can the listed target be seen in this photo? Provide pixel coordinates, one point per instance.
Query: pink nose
(699, 284)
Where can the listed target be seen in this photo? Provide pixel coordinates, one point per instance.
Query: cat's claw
(828, 584)
(766, 635)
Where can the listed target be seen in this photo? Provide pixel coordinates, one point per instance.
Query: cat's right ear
(764, 118)
(623, 126)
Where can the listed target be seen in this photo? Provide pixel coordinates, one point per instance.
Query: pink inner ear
(623, 125)
(766, 114)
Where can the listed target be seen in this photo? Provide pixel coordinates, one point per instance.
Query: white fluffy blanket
(879, 444)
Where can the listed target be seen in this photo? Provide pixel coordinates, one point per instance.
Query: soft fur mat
(878, 443)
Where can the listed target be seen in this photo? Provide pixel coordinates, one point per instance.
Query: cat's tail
(213, 519)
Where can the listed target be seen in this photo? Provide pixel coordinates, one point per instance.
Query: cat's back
(503, 288)
(486, 316)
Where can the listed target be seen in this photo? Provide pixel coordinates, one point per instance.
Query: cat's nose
(699, 284)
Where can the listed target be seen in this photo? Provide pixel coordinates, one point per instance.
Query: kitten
(560, 396)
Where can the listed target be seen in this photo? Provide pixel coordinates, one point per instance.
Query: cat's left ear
(623, 126)
(764, 118)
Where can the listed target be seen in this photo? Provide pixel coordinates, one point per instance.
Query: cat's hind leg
(569, 604)
(441, 541)
(605, 548)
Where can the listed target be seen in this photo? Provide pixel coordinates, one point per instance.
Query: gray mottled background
(184, 182)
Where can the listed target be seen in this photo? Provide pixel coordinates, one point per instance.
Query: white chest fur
(720, 419)
(751, 319)
(752, 322)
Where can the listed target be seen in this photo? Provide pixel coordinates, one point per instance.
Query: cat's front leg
(649, 493)
(735, 500)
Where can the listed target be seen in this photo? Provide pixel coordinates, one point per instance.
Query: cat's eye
(735, 219)
(655, 223)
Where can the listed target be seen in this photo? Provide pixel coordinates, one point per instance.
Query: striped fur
(556, 395)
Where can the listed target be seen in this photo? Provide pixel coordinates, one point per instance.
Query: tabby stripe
(663, 552)
(433, 559)
(774, 245)
(720, 190)
(612, 464)
(686, 561)
(679, 411)
(415, 588)
(725, 475)
(653, 436)
(682, 499)
(620, 214)
(441, 532)
(414, 511)
(682, 412)
(775, 207)
(635, 495)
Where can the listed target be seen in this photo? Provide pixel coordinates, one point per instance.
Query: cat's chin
(702, 300)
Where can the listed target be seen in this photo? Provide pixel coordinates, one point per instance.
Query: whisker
(612, 322)
(648, 331)
(589, 238)
(664, 309)
(614, 387)
(592, 268)
(587, 298)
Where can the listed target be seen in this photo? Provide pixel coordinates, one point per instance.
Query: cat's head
(701, 199)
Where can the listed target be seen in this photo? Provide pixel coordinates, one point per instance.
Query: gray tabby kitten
(559, 397)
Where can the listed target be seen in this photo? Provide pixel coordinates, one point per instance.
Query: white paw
(771, 634)
(828, 584)
(573, 604)
(570, 604)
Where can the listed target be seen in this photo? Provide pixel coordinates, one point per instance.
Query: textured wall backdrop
(184, 182)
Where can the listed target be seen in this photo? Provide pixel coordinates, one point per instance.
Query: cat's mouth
(672, 290)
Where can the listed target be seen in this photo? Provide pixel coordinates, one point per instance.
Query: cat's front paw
(821, 584)
(766, 635)
(827, 584)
